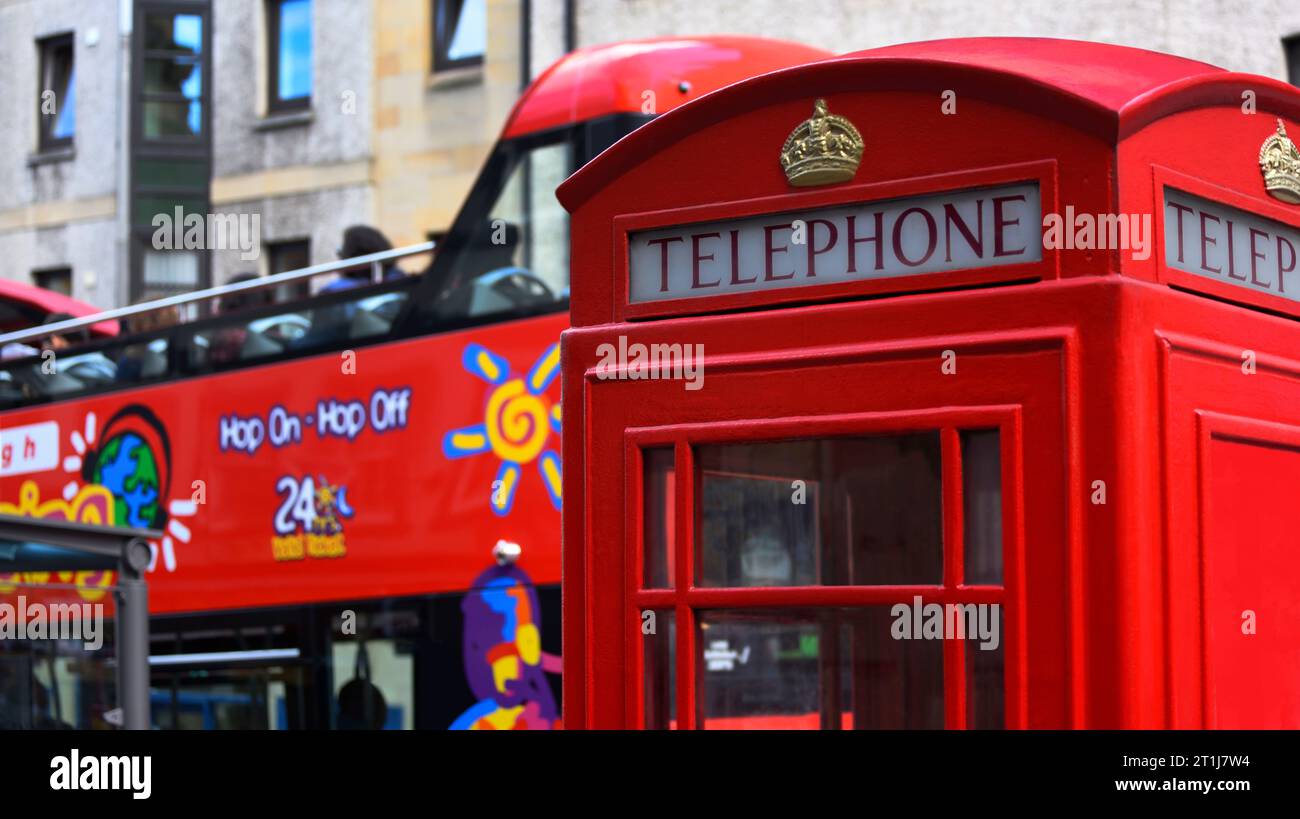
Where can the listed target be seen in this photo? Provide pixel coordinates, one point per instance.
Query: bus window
(515, 254)
(224, 698)
(373, 659)
(248, 670)
(55, 684)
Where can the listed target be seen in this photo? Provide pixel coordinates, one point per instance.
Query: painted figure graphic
(329, 503)
(504, 663)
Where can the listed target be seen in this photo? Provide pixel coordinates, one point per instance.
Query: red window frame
(1168, 275)
(685, 599)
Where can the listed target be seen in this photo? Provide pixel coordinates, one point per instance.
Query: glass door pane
(824, 668)
(831, 511)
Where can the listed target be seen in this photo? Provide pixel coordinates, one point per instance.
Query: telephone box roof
(1108, 90)
(1100, 74)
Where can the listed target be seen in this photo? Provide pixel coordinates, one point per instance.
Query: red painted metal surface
(44, 302)
(1104, 369)
(421, 520)
(646, 77)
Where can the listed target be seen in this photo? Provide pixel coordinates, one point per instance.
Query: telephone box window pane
(660, 521)
(981, 472)
(985, 682)
(835, 511)
(660, 666)
(829, 669)
(760, 670)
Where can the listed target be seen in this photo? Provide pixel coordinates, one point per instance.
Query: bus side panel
(389, 470)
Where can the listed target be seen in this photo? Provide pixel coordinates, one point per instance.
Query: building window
(58, 279)
(459, 33)
(289, 56)
(57, 98)
(170, 272)
(171, 95)
(1291, 46)
(286, 256)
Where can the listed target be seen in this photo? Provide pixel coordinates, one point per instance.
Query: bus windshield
(507, 254)
(508, 251)
(517, 253)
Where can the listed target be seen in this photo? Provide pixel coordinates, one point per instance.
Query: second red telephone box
(942, 385)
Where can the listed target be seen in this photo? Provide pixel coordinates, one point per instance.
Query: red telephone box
(951, 384)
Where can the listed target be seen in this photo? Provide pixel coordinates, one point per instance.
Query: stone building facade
(397, 119)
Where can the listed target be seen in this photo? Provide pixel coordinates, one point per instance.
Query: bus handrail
(197, 296)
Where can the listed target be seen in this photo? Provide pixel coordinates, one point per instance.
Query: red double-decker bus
(357, 494)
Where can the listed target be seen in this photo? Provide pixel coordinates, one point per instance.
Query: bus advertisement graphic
(518, 424)
(306, 481)
(504, 662)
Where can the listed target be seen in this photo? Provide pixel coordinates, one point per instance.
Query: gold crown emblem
(1280, 162)
(824, 149)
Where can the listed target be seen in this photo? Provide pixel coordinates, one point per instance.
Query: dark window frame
(293, 291)
(204, 60)
(196, 148)
(45, 47)
(41, 276)
(443, 31)
(276, 104)
(689, 601)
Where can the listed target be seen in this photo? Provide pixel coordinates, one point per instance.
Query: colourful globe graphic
(128, 469)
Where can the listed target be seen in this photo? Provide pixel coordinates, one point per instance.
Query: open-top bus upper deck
(373, 441)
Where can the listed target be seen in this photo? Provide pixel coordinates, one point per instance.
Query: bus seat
(257, 345)
(153, 364)
(368, 323)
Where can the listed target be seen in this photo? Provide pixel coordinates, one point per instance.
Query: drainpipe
(570, 25)
(122, 285)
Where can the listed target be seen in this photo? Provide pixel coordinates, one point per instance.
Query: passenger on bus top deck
(148, 359)
(361, 240)
(227, 343)
(489, 250)
(488, 280)
(60, 341)
(495, 249)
